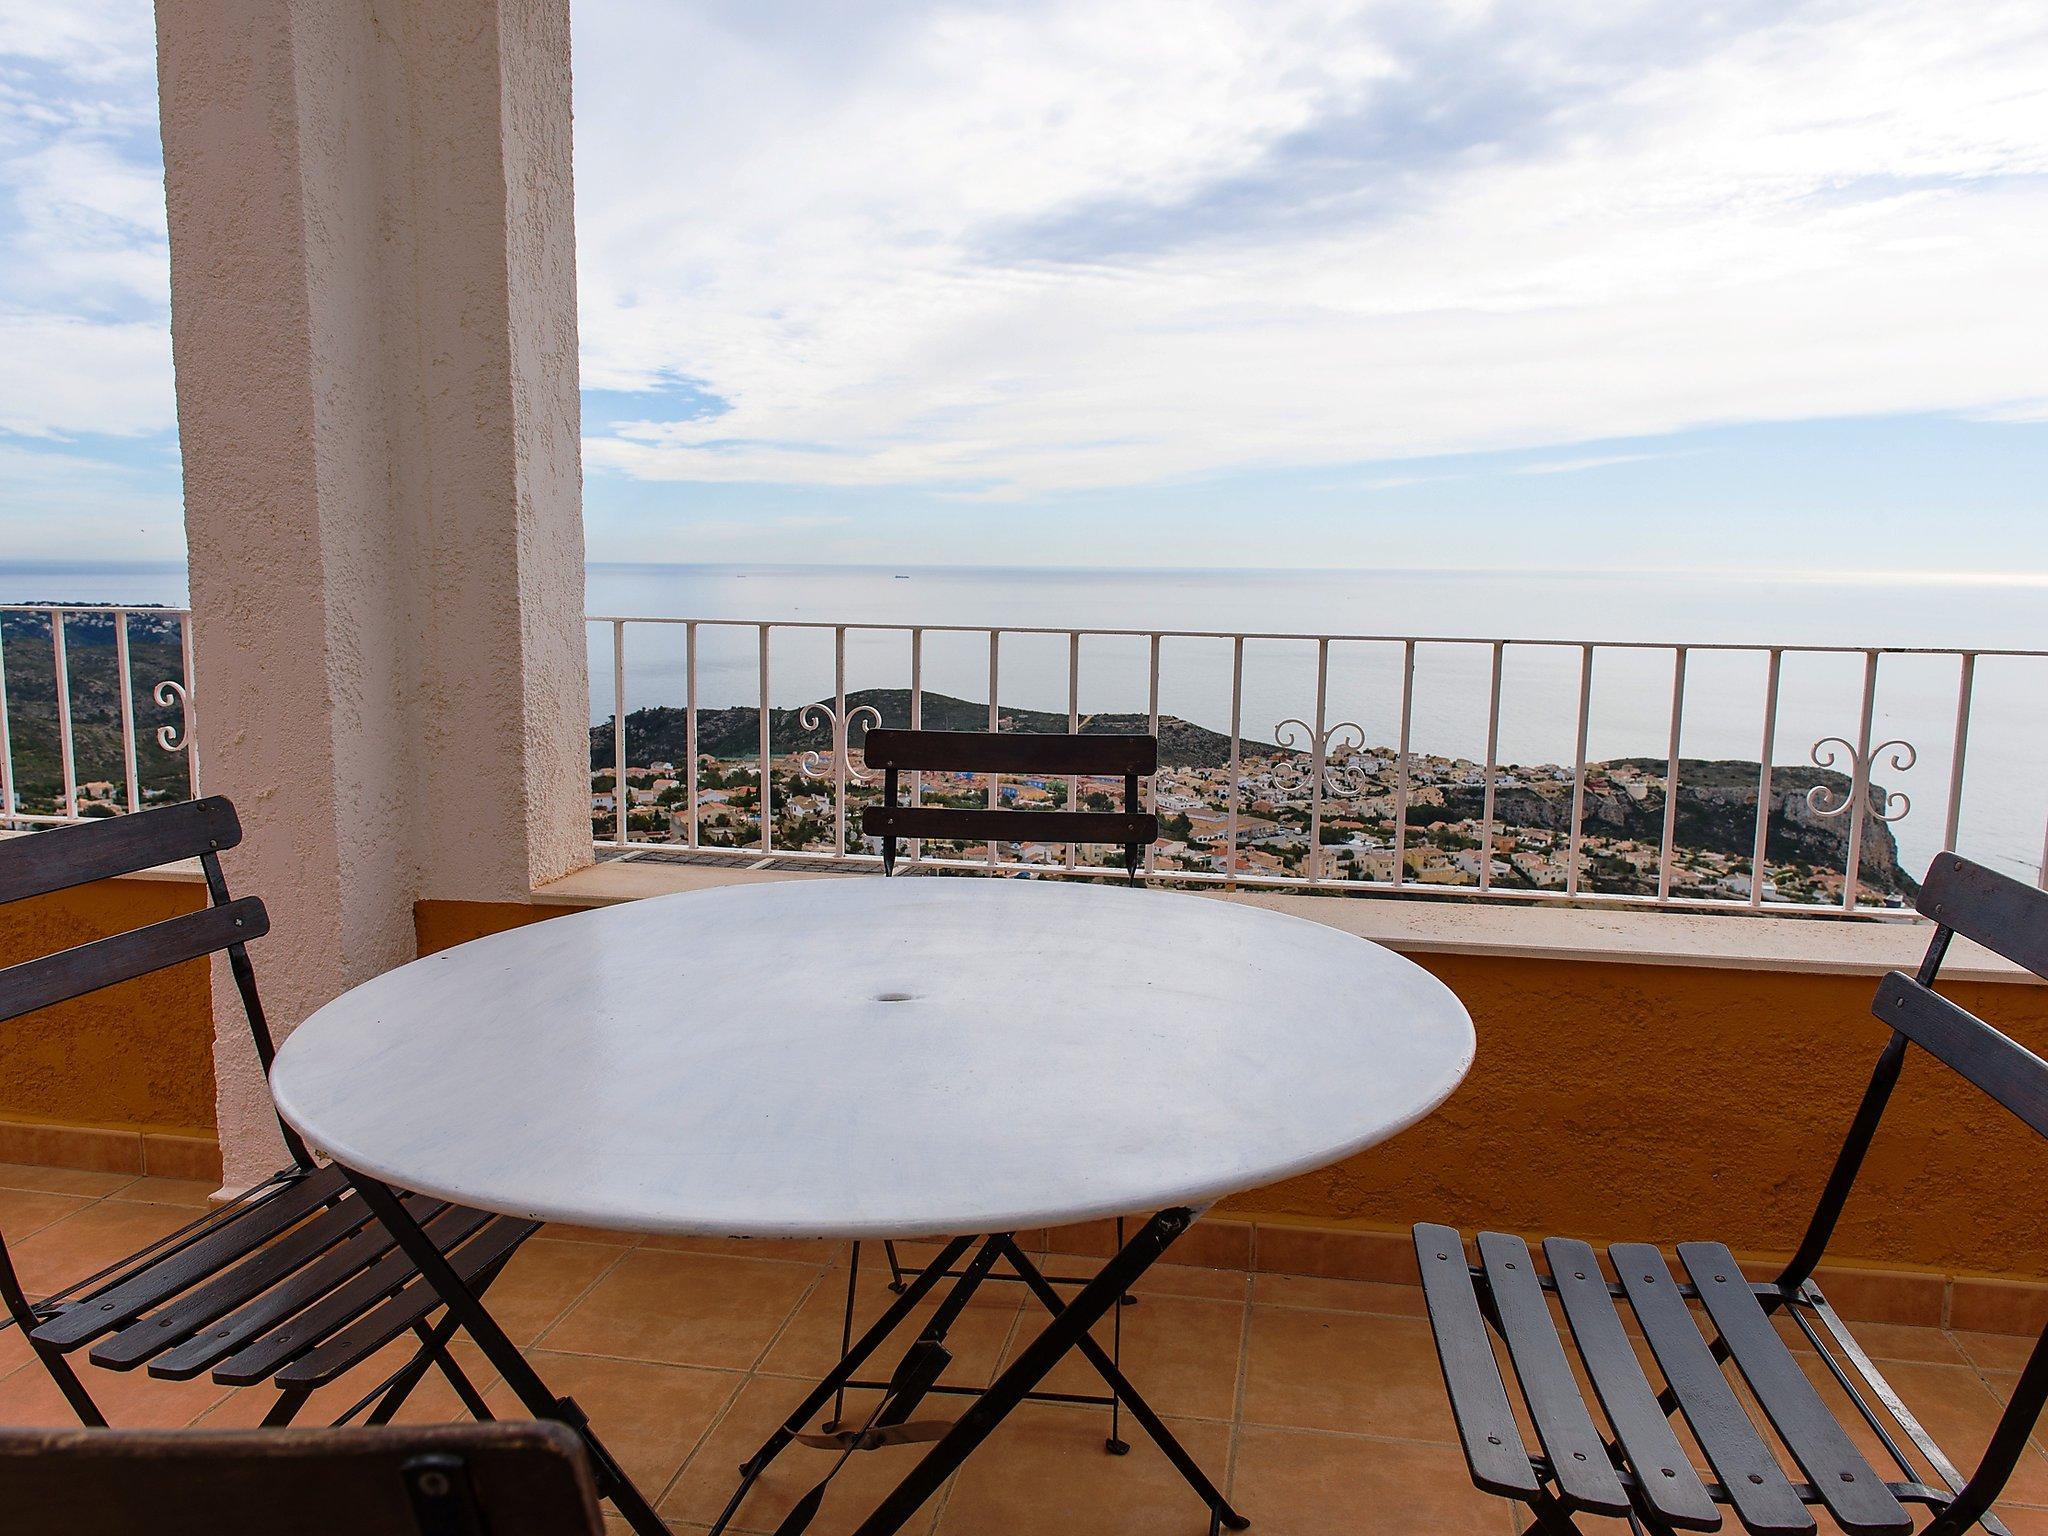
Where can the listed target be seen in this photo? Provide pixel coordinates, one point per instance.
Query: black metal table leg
(914, 1291)
(1061, 1335)
(521, 1377)
(1122, 1390)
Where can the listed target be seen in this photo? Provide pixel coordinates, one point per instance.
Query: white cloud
(1091, 245)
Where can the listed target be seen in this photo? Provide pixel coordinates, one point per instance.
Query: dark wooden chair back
(67, 857)
(1125, 757)
(516, 1479)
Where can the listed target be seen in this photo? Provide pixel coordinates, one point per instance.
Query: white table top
(875, 1058)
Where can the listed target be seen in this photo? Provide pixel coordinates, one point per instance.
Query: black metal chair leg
(521, 1377)
(1061, 1334)
(53, 1362)
(895, 1266)
(845, 1333)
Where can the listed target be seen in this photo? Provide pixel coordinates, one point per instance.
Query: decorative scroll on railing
(97, 712)
(1366, 799)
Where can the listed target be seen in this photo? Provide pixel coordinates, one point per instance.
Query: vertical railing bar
(1571, 875)
(61, 667)
(690, 719)
(845, 743)
(916, 724)
(1073, 721)
(1492, 768)
(1236, 758)
(126, 677)
(190, 704)
(620, 831)
(1402, 779)
(6, 741)
(1859, 786)
(767, 795)
(1152, 728)
(1763, 779)
(995, 720)
(1664, 852)
(1318, 759)
(1966, 684)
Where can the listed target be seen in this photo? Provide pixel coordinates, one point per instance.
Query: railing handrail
(1331, 755)
(1759, 647)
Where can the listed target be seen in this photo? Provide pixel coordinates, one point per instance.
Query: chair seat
(1636, 1458)
(296, 1281)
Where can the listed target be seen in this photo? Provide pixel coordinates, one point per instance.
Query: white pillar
(373, 316)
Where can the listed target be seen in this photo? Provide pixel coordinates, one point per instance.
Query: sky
(1193, 283)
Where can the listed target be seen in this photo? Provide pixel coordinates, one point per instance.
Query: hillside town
(1274, 826)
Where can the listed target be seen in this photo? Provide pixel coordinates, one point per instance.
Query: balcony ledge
(1814, 946)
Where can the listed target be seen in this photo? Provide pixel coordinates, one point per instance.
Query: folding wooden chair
(1633, 1466)
(450, 1480)
(896, 752)
(293, 1281)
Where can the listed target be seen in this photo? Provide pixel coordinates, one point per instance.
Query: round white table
(860, 1058)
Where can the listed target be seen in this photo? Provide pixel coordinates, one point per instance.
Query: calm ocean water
(2005, 802)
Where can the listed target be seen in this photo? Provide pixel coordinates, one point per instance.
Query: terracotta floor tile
(1338, 1295)
(80, 1244)
(1352, 1372)
(193, 1194)
(809, 1346)
(712, 1474)
(1044, 1471)
(650, 1416)
(61, 1181)
(791, 1250)
(25, 1212)
(1995, 1351)
(1159, 1280)
(545, 1279)
(1296, 1484)
(129, 1399)
(433, 1401)
(1884, 1341)
(565, 1232)
(1954, 1404)
(1180, 1352)
(684, 1309)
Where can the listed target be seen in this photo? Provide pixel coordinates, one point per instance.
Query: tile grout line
(1244, 1366)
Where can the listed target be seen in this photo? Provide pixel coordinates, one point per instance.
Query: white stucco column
(373, 316)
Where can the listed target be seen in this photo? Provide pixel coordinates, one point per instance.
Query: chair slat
(2001, 1067)
(117, 1305)
(107, 962)
(1479, 1399)
(1010, 752)
(117, 845)
(1009, 826)
(2002, 914)
(177, 1320)
(1852, 1490)
(361, 1339)
(302, 1288)
(1755, 1484)
(1665, 1479)
(1578, 1456)
(261, 1359)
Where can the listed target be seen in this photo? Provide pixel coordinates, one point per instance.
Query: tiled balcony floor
(1316, 1401)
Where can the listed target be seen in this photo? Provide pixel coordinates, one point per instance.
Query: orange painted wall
(137, 1056)
(1662, 1103)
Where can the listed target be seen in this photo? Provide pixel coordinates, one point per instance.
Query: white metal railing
(92, 658)
(1325, 767)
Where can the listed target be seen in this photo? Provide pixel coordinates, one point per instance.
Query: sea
(1639, 616)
